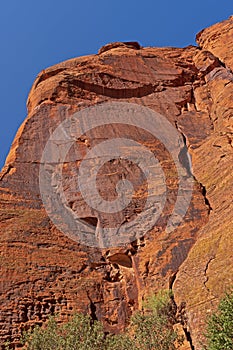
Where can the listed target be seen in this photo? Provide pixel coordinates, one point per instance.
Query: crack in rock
(181, 316)
(184, 158)
(205, 272)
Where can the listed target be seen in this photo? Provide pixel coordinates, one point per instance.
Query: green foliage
(119, 342)
(220, 326)
(79, 333)
(160, 304)
(153, 328)
(7, 345)
(152, 332)
(43, 339)
(150, 329)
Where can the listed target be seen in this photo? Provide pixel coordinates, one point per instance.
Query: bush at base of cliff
(78, 333)
(153, 329)
(220, 326)
(150, 329)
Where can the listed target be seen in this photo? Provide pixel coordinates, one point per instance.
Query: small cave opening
(121, 259)
(90, 220)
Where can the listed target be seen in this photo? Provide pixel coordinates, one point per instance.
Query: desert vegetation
(150, 328)
(219, 334)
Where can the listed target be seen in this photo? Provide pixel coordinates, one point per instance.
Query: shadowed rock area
(43, 271)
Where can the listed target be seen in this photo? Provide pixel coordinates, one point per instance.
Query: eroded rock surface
(43, 271)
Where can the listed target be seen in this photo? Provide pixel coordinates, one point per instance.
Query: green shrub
(219, 333)
(148, 329)
(153, 329)
(119, 342)
(79, 333)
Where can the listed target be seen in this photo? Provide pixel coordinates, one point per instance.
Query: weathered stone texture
(43, 271)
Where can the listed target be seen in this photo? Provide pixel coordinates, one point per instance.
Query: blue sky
(38, 34)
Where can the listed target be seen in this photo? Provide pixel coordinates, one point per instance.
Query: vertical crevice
(92, 309)
(205, 272)
(180, 313)
(185, 160)
(184, 156)
(188, 338)
(207, 203)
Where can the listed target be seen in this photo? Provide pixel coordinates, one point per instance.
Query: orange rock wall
(43, 271)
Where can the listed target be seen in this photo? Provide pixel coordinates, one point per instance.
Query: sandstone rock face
(43, 270)
(218, 40)
(207, 271)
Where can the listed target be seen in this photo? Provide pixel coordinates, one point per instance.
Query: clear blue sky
(38, 34)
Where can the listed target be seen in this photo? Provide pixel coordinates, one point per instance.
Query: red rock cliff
(44, 271)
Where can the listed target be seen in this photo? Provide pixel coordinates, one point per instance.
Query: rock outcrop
(43, 271)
